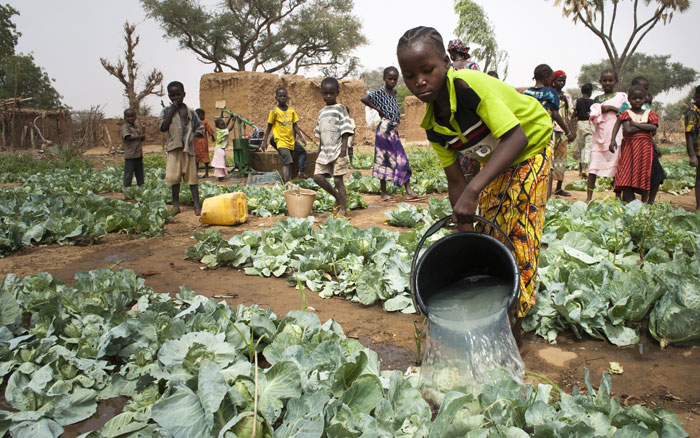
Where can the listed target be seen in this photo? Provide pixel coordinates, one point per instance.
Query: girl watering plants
(471, 113)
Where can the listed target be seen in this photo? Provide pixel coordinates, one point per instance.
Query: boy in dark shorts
(181, 123)
(282, 121)
(132, 137)
(333, 128)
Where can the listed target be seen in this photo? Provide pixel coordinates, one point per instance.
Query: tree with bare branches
(264, 35)
(127, 72)
(600, 16)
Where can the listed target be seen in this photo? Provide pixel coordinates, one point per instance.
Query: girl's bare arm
(510, 145)
(628, 128)
(645, 126)
(366, 101)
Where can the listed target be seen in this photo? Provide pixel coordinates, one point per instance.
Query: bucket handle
(434, 229)
(441, 223)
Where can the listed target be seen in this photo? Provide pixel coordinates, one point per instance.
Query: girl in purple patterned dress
(390, 160)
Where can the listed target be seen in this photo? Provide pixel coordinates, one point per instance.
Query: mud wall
(414, 110)
(252, 94)
(17, 130)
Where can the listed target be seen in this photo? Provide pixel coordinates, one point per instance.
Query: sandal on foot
(416, 198)
(562, 192)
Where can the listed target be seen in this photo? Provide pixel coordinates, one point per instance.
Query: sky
(68, 37)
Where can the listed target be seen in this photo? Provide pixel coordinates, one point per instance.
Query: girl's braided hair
(541, 73)
(390, 69)
(609, 70)
(420, 33)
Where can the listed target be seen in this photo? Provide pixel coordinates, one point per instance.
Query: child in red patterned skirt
(637, 150)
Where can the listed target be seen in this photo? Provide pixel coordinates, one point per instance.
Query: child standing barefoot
(692, 141)
(132, 138)
(510, 133)
(201, 143)
(637, 151)
(390, 160)
(333, 128)
(181, 124)
(603, 116)
(219, 161)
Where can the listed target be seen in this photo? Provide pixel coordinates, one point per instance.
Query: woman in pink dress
(603, 117)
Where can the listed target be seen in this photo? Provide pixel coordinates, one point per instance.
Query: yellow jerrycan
(226, 209)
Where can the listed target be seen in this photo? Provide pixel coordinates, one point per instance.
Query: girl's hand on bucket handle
(464, 211)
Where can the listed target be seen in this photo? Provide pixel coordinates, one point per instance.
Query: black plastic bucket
(458, 256)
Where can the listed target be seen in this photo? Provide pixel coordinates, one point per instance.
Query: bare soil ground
(652, 377)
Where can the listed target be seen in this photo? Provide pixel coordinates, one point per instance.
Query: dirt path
(652, 377)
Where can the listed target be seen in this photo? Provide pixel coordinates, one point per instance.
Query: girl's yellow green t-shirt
(487, 109)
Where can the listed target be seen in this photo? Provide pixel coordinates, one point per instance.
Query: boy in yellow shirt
(282, 121)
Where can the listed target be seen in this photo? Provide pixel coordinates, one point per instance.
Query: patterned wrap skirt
(521, 216)
(390, 160)
(559, 155)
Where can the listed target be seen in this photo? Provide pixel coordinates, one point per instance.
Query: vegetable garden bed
(651, 378)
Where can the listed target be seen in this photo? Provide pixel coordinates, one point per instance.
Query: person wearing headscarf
(561, 140)
(459, 54)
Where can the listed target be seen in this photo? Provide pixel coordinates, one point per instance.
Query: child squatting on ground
(512, 141)
(692, 142)
(390, 160)
(219, 161)
(333, 128)
(132, 137)
(201, 143)
(282, 121)
(181, 124)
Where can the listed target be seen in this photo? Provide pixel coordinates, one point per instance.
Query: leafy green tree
(263, 35)
(127, 72)
(676, 110)
(374, 79)
(8, 31)
(600, 17)
(662, 74)
(19, 75)
(26, 79)
(475, 28)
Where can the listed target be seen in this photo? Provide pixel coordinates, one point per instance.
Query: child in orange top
(201, 145)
